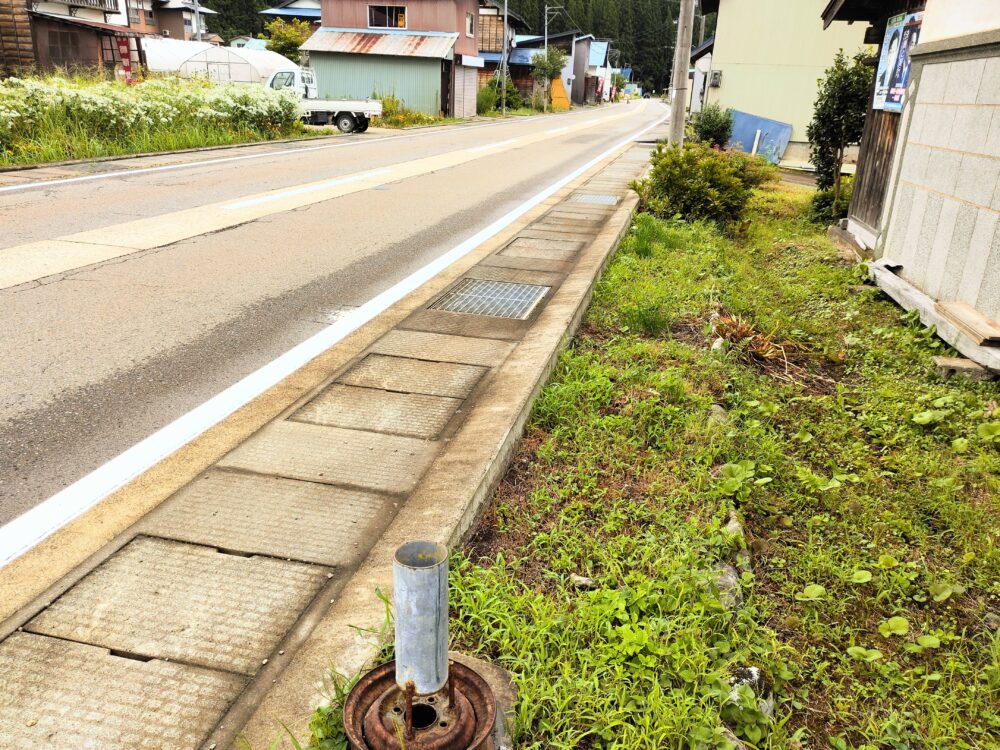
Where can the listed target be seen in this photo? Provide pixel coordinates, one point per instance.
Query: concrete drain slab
(331, 455)
(282, 518)
(440, 347)
(59, 694)
(525, 263)
(459, 324)
(183, 602)
(414, 376)
(595, 199)
(556, 234)
(497, 299)
(535, 277)
(558, 250)
(412, 414)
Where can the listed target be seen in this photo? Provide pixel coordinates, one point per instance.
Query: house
(176, 19)
(926, 201)
(309, 11)
(581, 64)
(490, 38)
(701, 59)
(67, 34)
(597, 83)
(565, 41)
(771, 86)
(424, 52)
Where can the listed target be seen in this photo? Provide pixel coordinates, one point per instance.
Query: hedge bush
(695, 182)
(713, 125)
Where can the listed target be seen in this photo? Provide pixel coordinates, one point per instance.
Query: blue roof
(598, 54)
(627, 72)
(292, 12)
(255, 44)
(518, 56)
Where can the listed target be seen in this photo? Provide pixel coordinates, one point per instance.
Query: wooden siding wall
(421, 15)
(490, 33)
(878, 143)
(17, 51)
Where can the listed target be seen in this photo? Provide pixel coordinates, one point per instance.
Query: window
(64, 47)
(387, 16)
(283, 80)
(150, 17)
(133, 14)
(109, 51)
(470, 25)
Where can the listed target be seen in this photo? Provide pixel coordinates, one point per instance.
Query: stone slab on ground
(405, 375)
(516, 275)
(459, 324)
(264, 515)
(171, 600)
(528, 264)
(86, 699)
(332, 455)
(411, 414)
(440, 347)
(556, 250)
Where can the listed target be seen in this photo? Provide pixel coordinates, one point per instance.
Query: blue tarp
(292, 12)
(774, 135)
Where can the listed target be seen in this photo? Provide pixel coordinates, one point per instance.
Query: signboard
(902, 33)
(125, 53)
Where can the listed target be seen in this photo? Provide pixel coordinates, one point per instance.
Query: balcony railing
(109, 6)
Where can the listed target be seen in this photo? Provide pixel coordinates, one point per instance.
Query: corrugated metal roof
(292, 12)
(395, 43)
(518, 56)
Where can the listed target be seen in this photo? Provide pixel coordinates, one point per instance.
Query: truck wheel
(346, 123)
(363, 123)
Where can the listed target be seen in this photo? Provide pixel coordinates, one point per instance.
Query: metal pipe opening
(420, 588)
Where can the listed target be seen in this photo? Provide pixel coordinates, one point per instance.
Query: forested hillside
(643, 30)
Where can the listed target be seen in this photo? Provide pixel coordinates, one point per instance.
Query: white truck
(349, 115)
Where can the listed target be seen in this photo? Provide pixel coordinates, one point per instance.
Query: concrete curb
(444, 506)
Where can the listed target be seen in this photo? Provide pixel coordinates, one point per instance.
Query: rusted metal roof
(395, 43)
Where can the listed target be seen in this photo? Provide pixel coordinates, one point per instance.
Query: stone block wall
(944, 217)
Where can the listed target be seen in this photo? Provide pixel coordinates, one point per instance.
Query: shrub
(539, 100)
(697, 182)
(47, 119)
(514, 100)
(285, 37)
(713, 125)
(395, 114)
(826, 208)
(486, 100)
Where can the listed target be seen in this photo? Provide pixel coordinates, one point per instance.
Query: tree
(548, 67)
(236, 18)
(838, 118)
(287, 36)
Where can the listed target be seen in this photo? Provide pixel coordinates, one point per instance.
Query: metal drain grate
(498, 299)
(600, 200)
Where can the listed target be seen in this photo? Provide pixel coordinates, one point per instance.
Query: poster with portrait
(902, 33)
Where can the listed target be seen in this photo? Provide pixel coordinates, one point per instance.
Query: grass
(868, 488)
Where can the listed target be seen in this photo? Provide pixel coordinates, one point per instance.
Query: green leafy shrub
(514, 100)
(486, 100)
(713, 125)
(698, 182)
(539, 100)
(826, 207)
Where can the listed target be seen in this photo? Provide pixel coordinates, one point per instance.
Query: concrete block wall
(944, 219)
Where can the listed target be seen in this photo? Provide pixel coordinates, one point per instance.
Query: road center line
(27, 530)
(261, 155)
(21, 264)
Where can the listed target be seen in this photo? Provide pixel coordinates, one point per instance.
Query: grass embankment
(868, 486)
(79, 117)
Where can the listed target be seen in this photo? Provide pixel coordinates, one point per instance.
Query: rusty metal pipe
(420, 592)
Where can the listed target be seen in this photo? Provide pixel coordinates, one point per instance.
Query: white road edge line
(261, 155)
(34, 526)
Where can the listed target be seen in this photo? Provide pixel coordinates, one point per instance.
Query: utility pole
(679, 81)
(503, 60)
(551, 12)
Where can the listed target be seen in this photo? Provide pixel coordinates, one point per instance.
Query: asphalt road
(96, 358)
